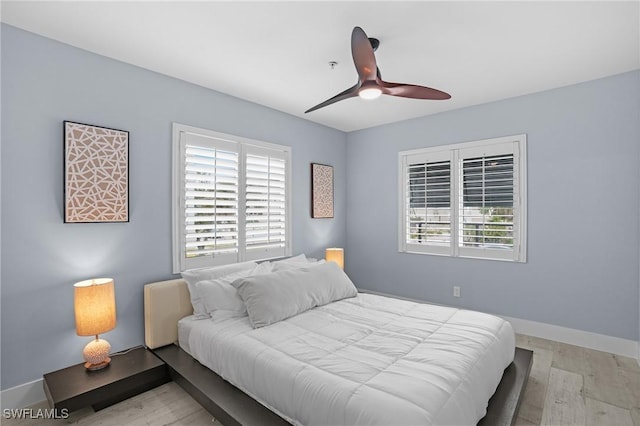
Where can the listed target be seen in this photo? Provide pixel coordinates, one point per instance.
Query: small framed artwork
(321, 191)
(96, 174)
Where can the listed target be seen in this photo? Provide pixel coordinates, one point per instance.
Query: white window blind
(465, 200)
(211, 201)
(231, 197)
(265, 213)
(428, 212)
(487, 202)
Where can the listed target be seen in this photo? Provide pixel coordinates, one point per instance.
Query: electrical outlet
(456, 291)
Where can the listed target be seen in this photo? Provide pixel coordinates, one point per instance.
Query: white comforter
(365, 360)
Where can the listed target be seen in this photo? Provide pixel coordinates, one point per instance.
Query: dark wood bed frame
(166, 302)
(231, 406)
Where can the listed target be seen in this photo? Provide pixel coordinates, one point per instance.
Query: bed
(362, 359)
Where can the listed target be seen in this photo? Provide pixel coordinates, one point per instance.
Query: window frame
(456, 152)
(244, 147)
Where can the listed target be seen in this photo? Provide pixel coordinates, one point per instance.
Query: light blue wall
(583, 208)
(583, 270)
(44, 83)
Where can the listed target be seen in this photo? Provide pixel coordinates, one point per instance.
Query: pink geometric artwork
(96, 175)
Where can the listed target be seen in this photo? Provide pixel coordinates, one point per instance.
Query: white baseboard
(23, 395)
(586, 339)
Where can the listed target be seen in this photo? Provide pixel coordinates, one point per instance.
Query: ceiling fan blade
(412, 91)
(370, 82)
(363, 56)
(349, 93)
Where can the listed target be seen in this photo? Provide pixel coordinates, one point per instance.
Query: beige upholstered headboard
(165, 302)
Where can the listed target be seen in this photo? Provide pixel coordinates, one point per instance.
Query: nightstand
(129, 374)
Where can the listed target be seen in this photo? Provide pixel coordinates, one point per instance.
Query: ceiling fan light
(370, 93)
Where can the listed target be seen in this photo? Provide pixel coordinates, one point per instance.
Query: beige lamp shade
(335, 255)
(95, 306)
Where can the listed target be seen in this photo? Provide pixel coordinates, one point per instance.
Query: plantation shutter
(210, 200)
(428, 203)
(231, 199)
(488, 181)
(265, 203)
(465, 200)
(488, 199)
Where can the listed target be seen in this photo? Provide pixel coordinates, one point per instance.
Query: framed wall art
(96, 174)
(321, 191)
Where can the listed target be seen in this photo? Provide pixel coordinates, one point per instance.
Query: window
(231, 199)
(465, 200)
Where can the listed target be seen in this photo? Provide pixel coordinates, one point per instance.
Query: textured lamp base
(96, 353)
(100, 366)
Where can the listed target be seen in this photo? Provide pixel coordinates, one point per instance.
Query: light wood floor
(568, 385)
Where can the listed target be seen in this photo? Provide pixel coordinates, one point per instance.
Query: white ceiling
(277, 53)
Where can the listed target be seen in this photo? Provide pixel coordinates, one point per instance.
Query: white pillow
(193, 276)
(291, 262)
(220, 295)
(273, 297)
(295, 265)
(262, 268)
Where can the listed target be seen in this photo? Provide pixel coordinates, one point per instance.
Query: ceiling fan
(370, 84)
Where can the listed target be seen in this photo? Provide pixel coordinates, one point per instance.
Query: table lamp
(335, 254)
(95, 310)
